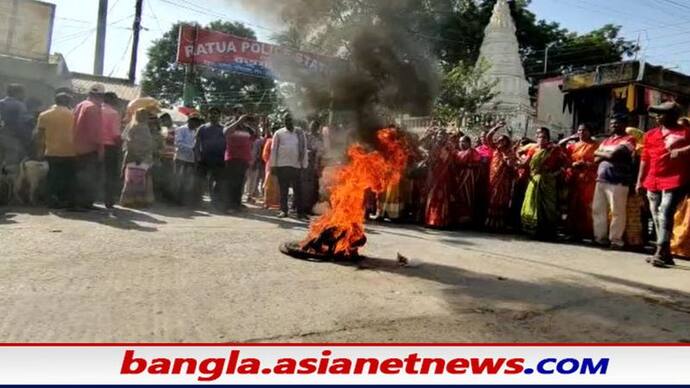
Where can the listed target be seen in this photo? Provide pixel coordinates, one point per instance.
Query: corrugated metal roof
(81, 83)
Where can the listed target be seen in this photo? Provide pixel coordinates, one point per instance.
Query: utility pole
(136, 28)
(99, 56)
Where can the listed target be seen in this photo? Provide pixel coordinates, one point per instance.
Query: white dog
(31, 175)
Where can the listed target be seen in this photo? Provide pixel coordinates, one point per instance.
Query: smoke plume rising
(386, 70)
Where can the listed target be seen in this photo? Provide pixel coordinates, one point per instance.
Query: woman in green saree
(540, 214)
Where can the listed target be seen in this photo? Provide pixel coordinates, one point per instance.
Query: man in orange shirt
(55, 140)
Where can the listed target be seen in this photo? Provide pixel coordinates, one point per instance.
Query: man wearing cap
(88, 143)
(614, 177)
(55, 141)
(664, 174)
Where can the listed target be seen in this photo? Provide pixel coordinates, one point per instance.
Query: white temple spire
(500, 50)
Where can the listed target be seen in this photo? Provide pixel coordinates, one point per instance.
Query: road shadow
(270, 216)
(120, 218)
(681, 265)
(28, 210)
(7, 218)
(554, 305)
(177, 211)
(451, 236)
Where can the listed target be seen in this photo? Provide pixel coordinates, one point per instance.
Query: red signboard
(233, 53)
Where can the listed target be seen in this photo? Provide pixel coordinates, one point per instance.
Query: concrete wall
(39, 78)
(550, 111)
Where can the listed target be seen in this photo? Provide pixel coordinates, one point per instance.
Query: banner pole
(188, 88)
(188, 92)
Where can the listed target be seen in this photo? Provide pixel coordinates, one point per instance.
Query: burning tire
(294, 249)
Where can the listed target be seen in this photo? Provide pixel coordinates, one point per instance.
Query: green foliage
(164, 78)
(453, 29)
(294, 37)
(599, 46)
(463, 90)
(571, 50)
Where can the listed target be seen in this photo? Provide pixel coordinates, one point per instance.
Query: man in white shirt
(288, 158)
(186, 190)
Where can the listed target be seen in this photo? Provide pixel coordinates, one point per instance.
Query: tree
(466, 28)
(164, 78)
(294, 37)
(599, 46)
(463, 90)
(453, 29)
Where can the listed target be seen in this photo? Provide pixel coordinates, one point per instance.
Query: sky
(658, 24)
(74, 32)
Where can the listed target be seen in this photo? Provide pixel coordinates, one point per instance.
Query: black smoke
(386, 70)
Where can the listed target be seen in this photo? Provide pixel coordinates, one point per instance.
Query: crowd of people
(621, 191)
(98, 150)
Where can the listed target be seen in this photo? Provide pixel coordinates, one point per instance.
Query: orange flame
(366, 170)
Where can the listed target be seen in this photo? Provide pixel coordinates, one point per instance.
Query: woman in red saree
(581, 179)
(439, 185)
(466, 167)
(502, 174)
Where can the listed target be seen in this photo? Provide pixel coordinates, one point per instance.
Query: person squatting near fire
(579, 188)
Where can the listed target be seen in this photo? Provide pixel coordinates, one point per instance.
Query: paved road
(176, 275)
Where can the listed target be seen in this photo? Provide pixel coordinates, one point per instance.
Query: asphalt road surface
(175, 275)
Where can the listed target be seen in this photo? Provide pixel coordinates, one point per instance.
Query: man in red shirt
(88, 144)
(664, 174)
(238, 154)
(112, 129)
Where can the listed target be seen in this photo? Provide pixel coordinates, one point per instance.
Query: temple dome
(500, 50)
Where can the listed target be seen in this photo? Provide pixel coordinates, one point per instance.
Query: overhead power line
(81, 43)
(155, 17)
(122, 57)
(677, 5)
